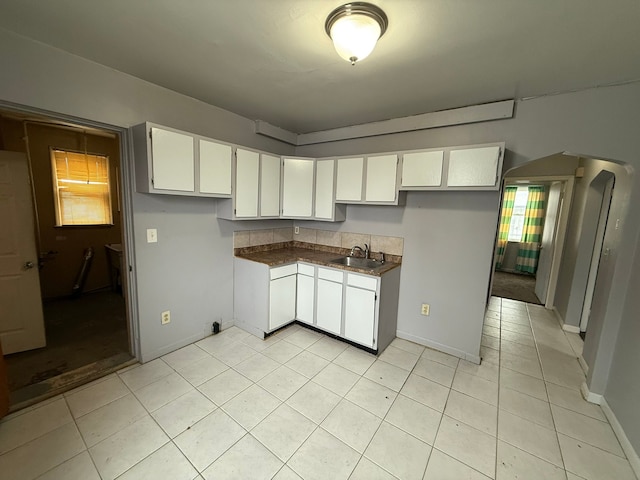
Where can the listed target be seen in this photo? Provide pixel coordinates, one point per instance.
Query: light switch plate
(152, 235)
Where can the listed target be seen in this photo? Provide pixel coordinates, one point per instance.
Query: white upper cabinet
(215, 167)
(247, 177)
(474, 167)
(262, 185)
(422, 169)
(349, 179)
(297, 187)
(173, 160)
(325, 205)
(324, 189)
(169, 161)
(372, 179)
(269, 186)
(382, 172)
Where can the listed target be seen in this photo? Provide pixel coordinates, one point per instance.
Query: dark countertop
(286, 255)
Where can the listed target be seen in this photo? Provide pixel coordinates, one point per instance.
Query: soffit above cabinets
(272, 60)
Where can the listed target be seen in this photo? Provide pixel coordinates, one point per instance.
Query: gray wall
(189, 271)
(623, 390)
(600, 123)
(453, 280)
(576, 260)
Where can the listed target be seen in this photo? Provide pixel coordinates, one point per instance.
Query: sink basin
(357, 262)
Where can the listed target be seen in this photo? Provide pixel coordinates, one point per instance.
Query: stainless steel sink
(357, 262)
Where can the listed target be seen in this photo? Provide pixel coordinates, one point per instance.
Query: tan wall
(61, 268)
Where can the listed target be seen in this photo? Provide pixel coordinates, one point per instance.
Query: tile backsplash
(377, 243)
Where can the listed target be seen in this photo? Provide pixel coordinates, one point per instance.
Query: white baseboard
(438, 346)
(565, 327)
(628, 449)
(583, 364)
(571, 328)
(590, 396)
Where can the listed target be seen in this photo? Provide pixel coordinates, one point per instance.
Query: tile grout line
(553, 419)
(385, 416)
(495, 470)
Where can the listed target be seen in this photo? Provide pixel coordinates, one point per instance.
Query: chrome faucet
(364, 250)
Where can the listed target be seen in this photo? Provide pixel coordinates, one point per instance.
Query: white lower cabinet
(360, 315)
(329, 311)
(282, 301)
(347, 304)
(264, 298)
(305, 293)
(357, 307)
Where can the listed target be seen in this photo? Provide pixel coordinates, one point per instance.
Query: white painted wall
(194, 249)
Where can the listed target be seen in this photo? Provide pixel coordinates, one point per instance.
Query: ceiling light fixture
(355, 28)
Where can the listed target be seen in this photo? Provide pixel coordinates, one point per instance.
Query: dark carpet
(515, 286)
(80, 332)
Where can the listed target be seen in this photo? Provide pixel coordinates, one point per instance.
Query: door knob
(28, 265)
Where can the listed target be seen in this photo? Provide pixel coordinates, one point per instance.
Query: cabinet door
(304, 303)
(297, 187)
(173, 160)
(215, 168)
(247, 167)
(422, 169)
(349, 179)
(359, 315)
(325, 205)
(473, 167)
(329, 306)
(381, 178)
(282, 301)
(269, 186)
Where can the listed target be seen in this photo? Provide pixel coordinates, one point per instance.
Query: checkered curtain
(529, 248)
(505, 220)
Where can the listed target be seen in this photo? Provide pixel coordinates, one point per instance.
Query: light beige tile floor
(302, 405)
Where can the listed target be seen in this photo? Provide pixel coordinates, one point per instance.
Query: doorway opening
(594, 227)
(78, 326)
(530, 237)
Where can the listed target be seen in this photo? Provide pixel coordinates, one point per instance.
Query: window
(517, 215)
(82, 194)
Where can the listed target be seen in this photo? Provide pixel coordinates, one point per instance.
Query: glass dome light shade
(355, 29)
(355, 36)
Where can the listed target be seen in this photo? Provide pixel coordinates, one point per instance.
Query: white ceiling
(271, 59)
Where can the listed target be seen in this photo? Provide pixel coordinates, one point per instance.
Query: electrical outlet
(165, 317)
(152, 235)
(296, 230)
(425, 309)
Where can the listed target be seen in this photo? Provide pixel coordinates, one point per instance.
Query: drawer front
(306, 269)
(333, 275)
(279, 272)
(370, 283)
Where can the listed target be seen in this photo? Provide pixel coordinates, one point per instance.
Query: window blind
(81, 187)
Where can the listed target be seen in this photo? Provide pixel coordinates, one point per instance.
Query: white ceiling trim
(445, 118)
